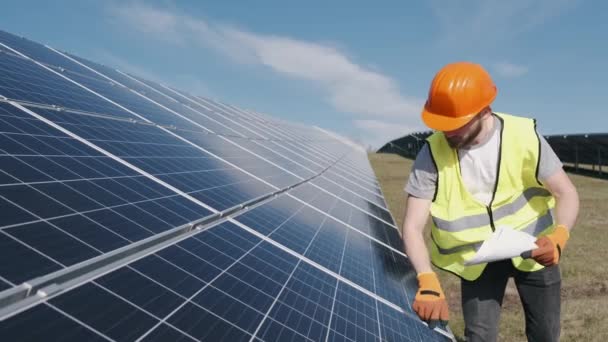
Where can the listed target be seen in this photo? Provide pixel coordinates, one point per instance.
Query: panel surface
(105, 179)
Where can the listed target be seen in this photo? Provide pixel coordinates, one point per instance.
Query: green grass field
(584, 271)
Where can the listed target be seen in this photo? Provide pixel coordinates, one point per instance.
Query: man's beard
(466, 140)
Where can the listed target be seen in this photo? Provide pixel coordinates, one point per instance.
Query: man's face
(464, 136)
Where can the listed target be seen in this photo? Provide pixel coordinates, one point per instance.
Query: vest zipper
(491, 218)
(489, 206)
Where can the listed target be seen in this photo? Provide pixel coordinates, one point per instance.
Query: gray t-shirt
(477, 163)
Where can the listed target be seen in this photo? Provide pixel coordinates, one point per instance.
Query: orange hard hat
(458, 93)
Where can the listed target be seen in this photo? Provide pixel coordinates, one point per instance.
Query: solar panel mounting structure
(133, 211)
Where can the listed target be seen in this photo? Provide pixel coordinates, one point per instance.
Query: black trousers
(539, 293)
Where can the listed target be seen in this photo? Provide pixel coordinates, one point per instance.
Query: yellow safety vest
(460, 223)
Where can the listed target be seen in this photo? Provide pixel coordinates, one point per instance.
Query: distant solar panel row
(132, 211)
(589, 149)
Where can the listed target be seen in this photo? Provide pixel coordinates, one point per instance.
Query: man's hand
(551, 246)
(430, 303)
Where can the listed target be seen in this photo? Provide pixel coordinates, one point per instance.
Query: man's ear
(486, 112)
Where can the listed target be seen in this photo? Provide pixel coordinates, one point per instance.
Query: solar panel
(133, 211)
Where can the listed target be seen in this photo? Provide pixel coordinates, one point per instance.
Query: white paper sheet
(504, 243)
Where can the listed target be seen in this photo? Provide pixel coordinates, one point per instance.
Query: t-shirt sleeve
(423, 176)
(549, 161)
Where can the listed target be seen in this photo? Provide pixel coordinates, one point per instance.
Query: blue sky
(357, 68)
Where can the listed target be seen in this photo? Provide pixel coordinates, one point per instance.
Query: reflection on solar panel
(132, 211)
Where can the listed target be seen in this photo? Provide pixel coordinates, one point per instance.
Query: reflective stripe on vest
(533, 229)
(480, 220)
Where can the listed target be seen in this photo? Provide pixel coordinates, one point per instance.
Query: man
(480, 170)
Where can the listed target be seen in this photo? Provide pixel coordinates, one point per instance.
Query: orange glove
(550, 246)
(430, 303)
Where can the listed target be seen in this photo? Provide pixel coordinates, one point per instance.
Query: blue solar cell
(244, 160)
(246, 286)
(156, 94)
(24, 80)
(265, 266)
(333, 245)
(38, 52)
(276, 158)
(328, 246)
(372, 226)
(165, 269)
(328, 185)
(111, 218)
(355, 187)
(198, 258)
(52, 169)
(238, 313)
(161, 155)
(396, 326)
(138, 289)
(178, 205)
(51, 324)
(147, 301)
(358, 167)
(351, 215)
(393, 278)
(176, 100)
(305, 192)
(211, 251)
(30, 265)
(298, 232)
(53, 243)
(240, 126)
(91, 232)
(167, 333)
(10, 146)
(354, 316)
(4, 285)
(354, 199)
(271, 262)
(348, 170)
(122, 225)
(105, 312)
(286, 221)
(90, 79)
(357, 261)
(197, 322)
(19, 171)
(68, 196)
(303, 309)
(13, 214)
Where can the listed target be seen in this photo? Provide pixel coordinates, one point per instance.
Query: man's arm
(430, 303)
(566, 198)
(551, 246)
(552, 175)
(416, 215)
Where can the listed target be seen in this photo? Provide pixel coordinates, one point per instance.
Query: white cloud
(377, 133)
(349, 87)
(485, 23)
(510, 70)
(149, 20)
